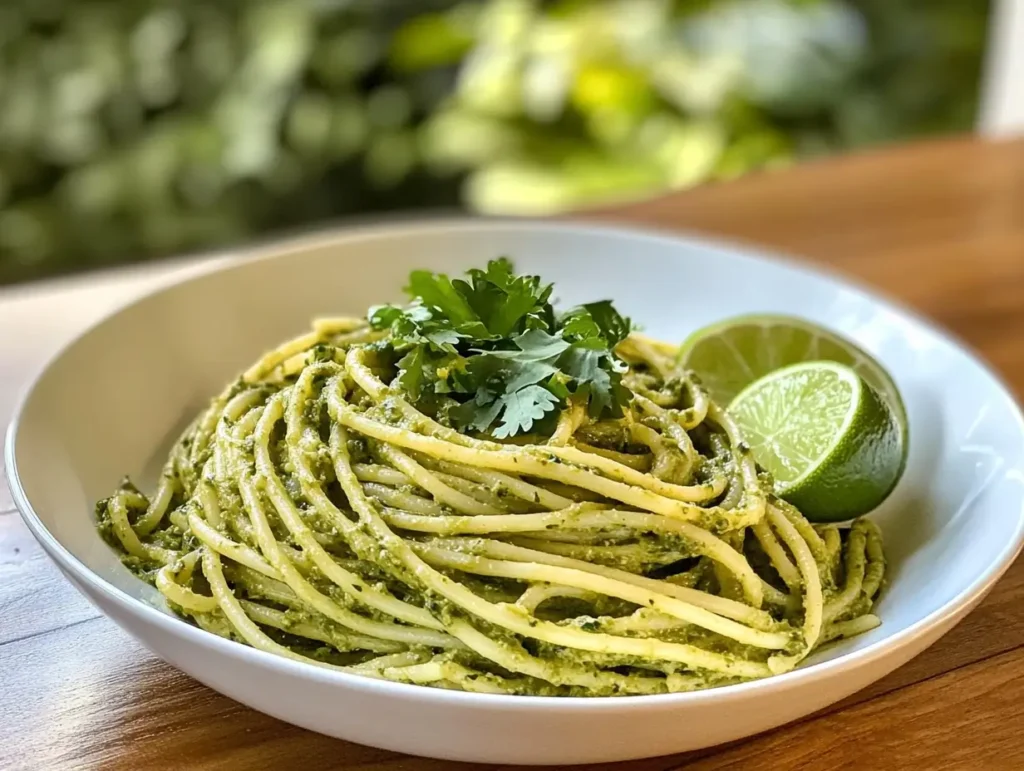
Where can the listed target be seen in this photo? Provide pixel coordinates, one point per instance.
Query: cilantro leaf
(525, 296)
(614, 327)
(445, 339)
(585, 366)
(410, 372)
(533, 345)
(597, 320)
(578, 324)
(528, 373)
(488, 352)
(522, 408)
(383, 316)
(479, 412)
(581, 363)
(503, 300)
(435, 290)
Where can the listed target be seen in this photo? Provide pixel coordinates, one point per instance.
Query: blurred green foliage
(136, 128)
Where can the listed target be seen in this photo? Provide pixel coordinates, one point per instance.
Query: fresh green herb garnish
(490, 352)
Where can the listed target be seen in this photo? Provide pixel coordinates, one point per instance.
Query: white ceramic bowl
(112, 400)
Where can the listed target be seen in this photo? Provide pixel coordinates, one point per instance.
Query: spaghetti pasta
(315, 511)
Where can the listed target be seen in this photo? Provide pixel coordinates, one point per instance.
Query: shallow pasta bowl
(112, 401)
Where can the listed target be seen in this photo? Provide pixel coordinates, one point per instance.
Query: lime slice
(829, 440)
(732, 354)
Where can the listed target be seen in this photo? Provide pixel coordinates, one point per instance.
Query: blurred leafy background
(131, 129)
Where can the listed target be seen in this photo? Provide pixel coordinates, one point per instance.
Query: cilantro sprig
(489, 353)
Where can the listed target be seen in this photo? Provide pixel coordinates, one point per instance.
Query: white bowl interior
(112, 401)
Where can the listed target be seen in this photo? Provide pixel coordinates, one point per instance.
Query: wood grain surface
(939, 226)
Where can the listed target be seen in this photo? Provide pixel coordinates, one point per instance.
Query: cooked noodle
(313, 512)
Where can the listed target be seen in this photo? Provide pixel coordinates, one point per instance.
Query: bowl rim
(955, 608)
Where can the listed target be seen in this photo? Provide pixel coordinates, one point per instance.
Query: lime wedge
(732, 354)
(830, 441)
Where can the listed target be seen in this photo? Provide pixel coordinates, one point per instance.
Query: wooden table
(939, 226)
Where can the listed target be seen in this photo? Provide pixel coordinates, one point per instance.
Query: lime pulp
(831, 442)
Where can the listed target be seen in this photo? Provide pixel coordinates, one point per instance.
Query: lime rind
(858, 459)
(726, 367)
